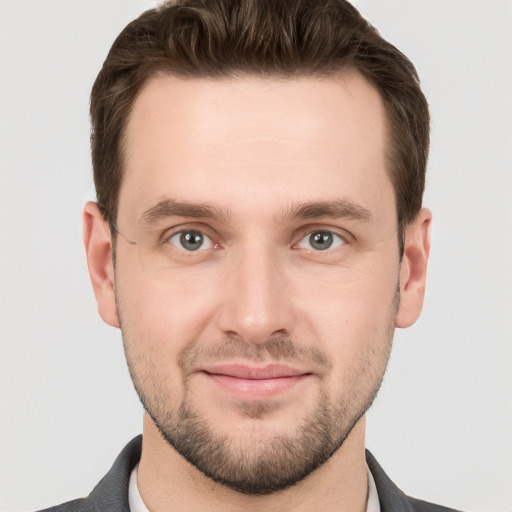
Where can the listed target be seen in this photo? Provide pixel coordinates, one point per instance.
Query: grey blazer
(111, 493)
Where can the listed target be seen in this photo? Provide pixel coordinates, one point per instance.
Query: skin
(255, 150)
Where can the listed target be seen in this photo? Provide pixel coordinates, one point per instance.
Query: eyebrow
(339, 208)
(172, 208)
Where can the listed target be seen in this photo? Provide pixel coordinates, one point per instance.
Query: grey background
(442, 424)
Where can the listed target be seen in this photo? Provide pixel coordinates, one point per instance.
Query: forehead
(294, 138)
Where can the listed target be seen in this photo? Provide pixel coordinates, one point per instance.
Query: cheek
(167, 311)
(341, 298)
(159, 319)
(352, 314)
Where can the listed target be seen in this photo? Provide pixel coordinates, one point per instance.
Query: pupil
(191, 240)
(321, 240)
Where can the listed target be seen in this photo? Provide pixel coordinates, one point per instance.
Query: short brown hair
(283, 38)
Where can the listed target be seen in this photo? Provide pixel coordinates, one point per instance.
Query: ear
(413, 270)
(98, 248)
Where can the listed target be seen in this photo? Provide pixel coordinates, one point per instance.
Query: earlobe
(413, 271)
(98, 248)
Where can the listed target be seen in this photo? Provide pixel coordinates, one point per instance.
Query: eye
(191, 240)
(321, 241)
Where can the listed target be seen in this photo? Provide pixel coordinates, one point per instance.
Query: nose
(257, 301)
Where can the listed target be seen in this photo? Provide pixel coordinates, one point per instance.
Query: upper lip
(271, 371)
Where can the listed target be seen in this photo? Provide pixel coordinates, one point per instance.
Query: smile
(255, 383)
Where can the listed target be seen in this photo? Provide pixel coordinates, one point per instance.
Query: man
(258, 235)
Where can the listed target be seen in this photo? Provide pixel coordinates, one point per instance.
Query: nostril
(279, 333)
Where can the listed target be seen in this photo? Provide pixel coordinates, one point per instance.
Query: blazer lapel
(391, 498)
(111, 493)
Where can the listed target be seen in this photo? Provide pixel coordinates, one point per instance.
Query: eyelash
(336, 238)
(184, 231)
(339, 239)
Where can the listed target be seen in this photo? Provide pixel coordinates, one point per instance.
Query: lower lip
(256, 388)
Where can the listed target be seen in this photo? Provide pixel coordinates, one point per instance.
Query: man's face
(259, 303)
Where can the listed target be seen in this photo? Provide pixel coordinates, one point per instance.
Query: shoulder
(111, 493)
(71, 506)
(392, 499)
(423, 506)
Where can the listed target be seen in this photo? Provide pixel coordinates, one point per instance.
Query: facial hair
(261, 463)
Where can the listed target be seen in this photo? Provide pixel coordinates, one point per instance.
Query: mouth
(255, 383)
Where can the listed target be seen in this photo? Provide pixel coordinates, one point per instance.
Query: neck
(168, 482)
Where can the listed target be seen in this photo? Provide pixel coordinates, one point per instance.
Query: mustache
(280, 348)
